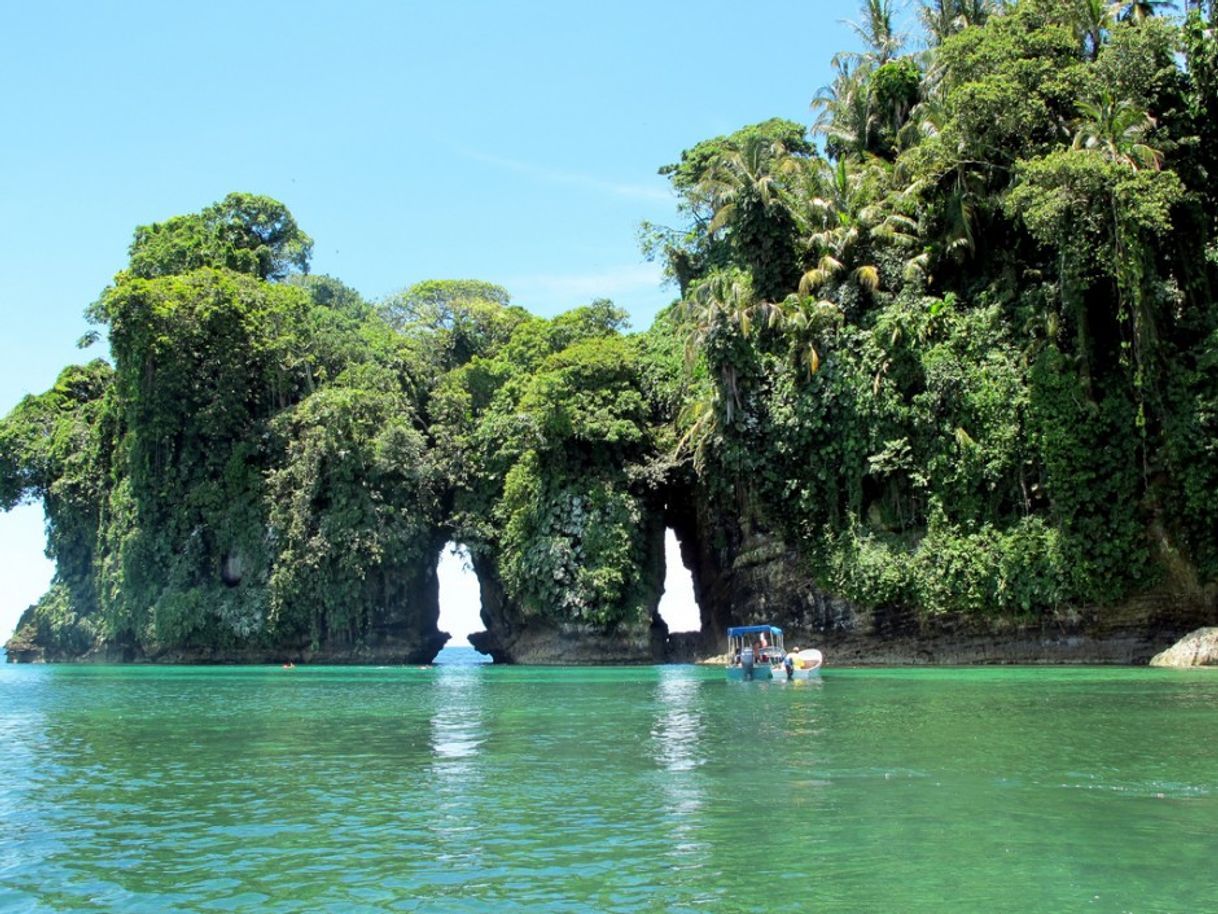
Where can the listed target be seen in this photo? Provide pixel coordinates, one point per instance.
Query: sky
(511, 142)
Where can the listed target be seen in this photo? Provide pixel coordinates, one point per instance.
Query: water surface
(466, 787)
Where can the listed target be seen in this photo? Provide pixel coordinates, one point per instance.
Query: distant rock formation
(22, 648)
(1199, 648)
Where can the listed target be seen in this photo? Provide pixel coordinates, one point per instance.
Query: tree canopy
(245, 233)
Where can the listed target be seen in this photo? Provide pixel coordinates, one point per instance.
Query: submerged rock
(1199, 648)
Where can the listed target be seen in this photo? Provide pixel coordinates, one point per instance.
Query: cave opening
(678, 607)
(460, 604)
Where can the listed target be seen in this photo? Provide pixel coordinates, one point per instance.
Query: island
(939, 384)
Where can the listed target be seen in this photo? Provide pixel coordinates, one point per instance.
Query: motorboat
(757, 652)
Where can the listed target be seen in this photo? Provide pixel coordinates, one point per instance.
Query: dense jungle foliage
(970, 350)
(957, 344)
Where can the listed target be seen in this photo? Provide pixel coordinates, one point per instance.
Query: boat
(805, 664)
(756, 652)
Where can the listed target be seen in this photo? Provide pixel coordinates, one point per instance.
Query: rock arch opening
(679, 621)
(678, 607)
(460, 595)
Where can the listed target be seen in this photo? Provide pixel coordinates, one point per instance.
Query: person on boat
(788, 665)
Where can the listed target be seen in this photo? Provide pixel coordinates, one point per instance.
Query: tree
(742, 188)
(433, 302)
(943, 18)
(894, 89)
(1117, 129)
(246, 233)
(1138, 11)
(844, 115)
(718, 171)
(463, 317)
(883, 42)
(332, 293)
(835, 226)
(1094, 21)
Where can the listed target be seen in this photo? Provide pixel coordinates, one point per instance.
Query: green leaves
(890, 411)
(353, 512)
(245, 233)
(541, 437)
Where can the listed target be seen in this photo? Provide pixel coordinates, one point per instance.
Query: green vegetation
(958, 348)
(543, 435)
(991, 389)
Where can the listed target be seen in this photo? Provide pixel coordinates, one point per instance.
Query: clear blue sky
(512, 142)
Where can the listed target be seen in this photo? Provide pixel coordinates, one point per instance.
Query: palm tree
(939, 196)
(805, 322)
(717, 308)
(1200, 6)
(741, 188)
(844, 112)
(1093, 21)
(741, 177)
(1116, 128)
(1138, 11)
(944, 18)
(876, 30)
(938, 18)
(832, 226)
(697, 417)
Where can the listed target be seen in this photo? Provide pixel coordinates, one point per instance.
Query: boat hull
(760, 674)
(804, 675)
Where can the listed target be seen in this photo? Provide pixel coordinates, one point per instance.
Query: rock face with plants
(251, 480)
(959, 368)
(941, 382)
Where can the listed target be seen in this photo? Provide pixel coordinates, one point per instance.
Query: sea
(465, 786)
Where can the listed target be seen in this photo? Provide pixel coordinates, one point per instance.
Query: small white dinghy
(805, 664)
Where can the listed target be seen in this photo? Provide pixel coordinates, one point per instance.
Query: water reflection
(677, 729)
(677, 736)
(457, 729)
(456, 785)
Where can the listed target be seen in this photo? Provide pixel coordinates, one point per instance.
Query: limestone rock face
(1199, 648)
(23, 647)
(402, 630)
(514, 636)
(744, 574)
(567, 645)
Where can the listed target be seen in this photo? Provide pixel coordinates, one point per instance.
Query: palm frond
(868, 277)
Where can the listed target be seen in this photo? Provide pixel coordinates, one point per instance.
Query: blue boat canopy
(740, 630)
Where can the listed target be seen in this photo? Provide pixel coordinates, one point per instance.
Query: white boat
(805, 664)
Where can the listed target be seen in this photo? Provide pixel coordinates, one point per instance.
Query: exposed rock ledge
(1199, 648)
(384, 651)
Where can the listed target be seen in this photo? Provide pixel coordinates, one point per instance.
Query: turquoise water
(476, 788)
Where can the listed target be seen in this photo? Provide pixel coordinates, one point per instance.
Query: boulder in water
(1199, 648)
